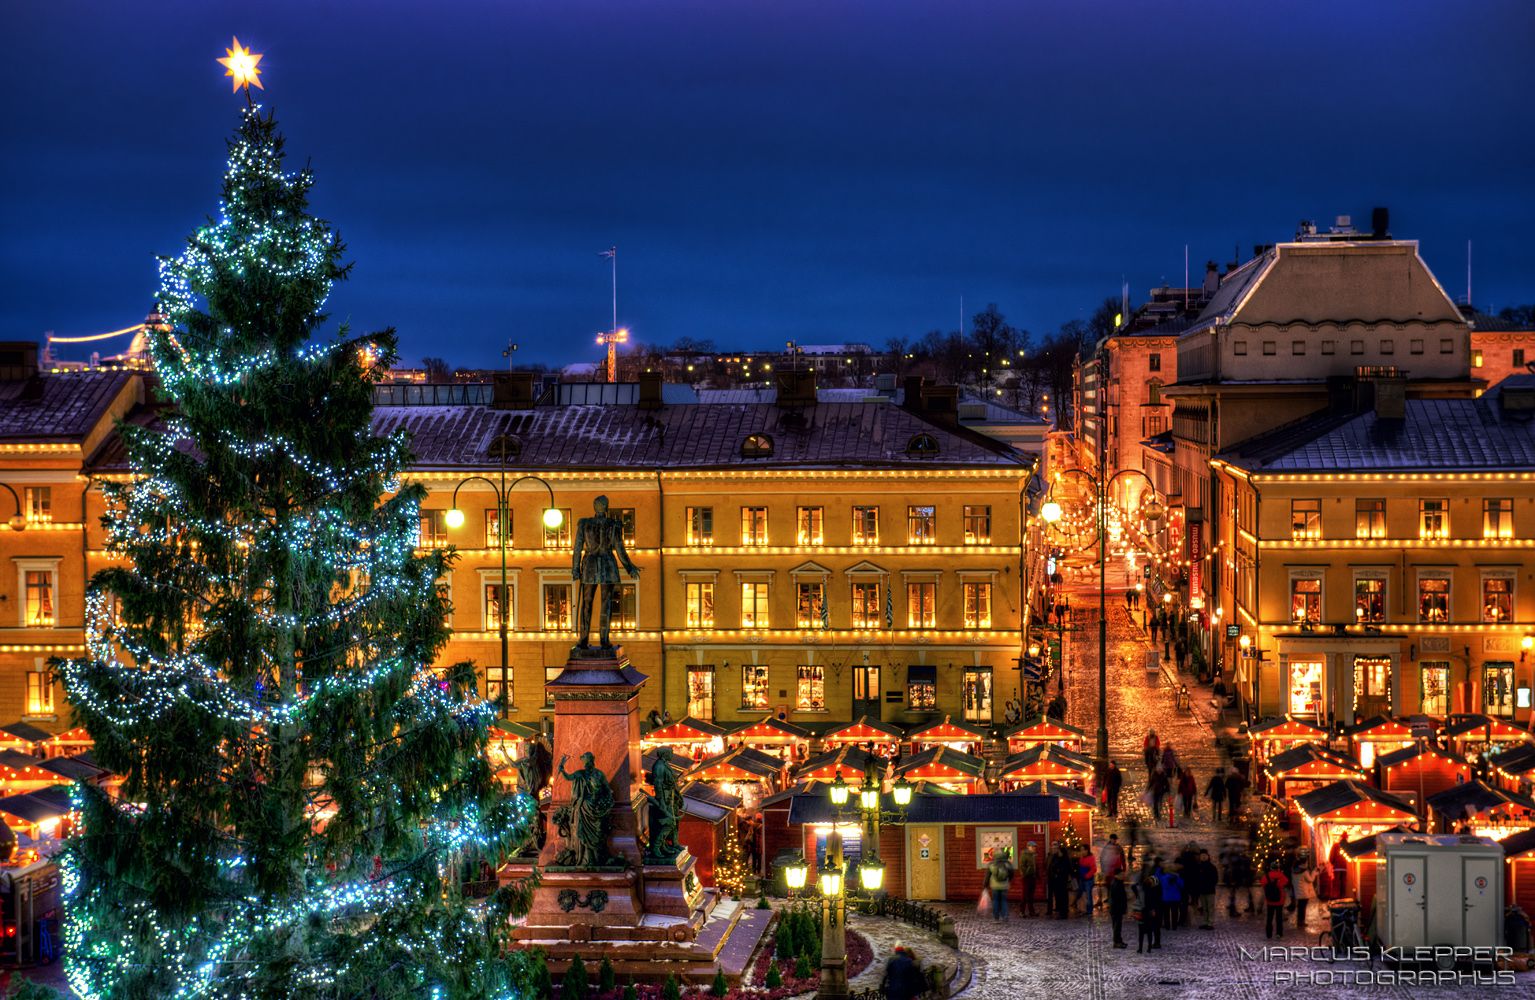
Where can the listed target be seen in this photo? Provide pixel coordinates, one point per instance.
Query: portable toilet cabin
(1438, 890)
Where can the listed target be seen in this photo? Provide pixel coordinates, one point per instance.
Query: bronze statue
(599, 549)
(583, 821)
(665, 809)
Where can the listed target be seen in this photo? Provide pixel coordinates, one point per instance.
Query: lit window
(865, 610)
(1305, 519)
(810, 691)
(754, 604)
(975, 694)
(754, 687)
(433, 529)
(557, 607)
(1498, 518)
(810, 601)
(1434, 598)
(701, 691)
(39, 504)
(921, 525)
(559, 538)
(1306, 600)
(700, 525)
(1434, 687)
(1498, 689)
(977, 605)
(757, 446)
(922, 696)
(498, 685)
(1433, 518)
(493, 528)
(625, 517)
(921, 605)
(1372, 680)
(1476, 359)
(754, 526)
(39, 693)
(1370, 599)
(977, 524)
(1498, 598)
(809, 525)
(865, 525)
(700, 605)
(493, 606)
(40, 603)
(550, 674)
(1369, 519)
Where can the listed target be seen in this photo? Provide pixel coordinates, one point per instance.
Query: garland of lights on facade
(186, 666)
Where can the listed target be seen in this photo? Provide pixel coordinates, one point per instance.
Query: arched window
(757, 446)
(922, 446)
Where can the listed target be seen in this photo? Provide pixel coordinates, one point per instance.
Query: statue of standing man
(583, 821)
(599, 548)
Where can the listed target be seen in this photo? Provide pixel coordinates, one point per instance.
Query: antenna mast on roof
(1468, 272)
(1185, 277)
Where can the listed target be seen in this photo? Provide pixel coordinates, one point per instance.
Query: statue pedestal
(647, 919)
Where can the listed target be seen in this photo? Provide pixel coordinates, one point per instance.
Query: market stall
(1513, 769)
(20, 772)
(1348, 810)
(1470, 734)
(1376, 736)
(690, 738)
(945, 768)
(1480, 809)
(1044, 729)
(744, 772)
(1308, 766)
(708, 817)
(506, 743)
(956, 735)
(852, 763)
(22, 736)
(70, 741)
(1277, 734)
(1045, 762)
(1519, 856)
(775, 737)
(869, 733)
(1077, 807)
(1418, 771)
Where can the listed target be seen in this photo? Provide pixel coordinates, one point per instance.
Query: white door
(1483, 903)
(1409, 913)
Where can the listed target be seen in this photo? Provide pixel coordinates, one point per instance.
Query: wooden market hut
(1348, 810)
(774, 737)
(1513, 768)
(1519, 856)
(708, 817)
(1361, 867)
(22, 736)
(947, 733)
(506, 742)
(20, 772)
(41, 814)
(70, 741)
(1418, 771)
(1472, 733)
(940, 846)
(946, 767)
(690, 738)
(1377, 736)
(1044, 729)
(1307, 766)
(1077, 806)
(1045, 762)
(1488, 811)
(866, 731)
(851, 762)
(1277, 734)
(745, 772)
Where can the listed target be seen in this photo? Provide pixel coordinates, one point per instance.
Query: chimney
(1212, 277)
(796, 389)
(940, 403)
(18, 360)
(912, 392)
(512, 391)
(1380, 223)
(650, 390)
(1386, 395)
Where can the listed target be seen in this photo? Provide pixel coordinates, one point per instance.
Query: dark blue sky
(819, 171)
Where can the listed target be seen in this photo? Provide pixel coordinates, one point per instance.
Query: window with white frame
(700, 525)
(1370, 598)
(1497, 595)
(865, 612)
(433, 531)
(810, 521)
(557, 607)
(493, 537)
(1434, 518)
(626, 613)
(38, 501)
(1498, 518)
(559, 538)
(922, 604)
(921, 525)
(754, 526)
(1434, 687)
(38, 581)
(1306, 598)
(865, 525)
(977, 597)
(498, 685)
(700, 603)
(1433, 596)
(498, 601)
(754, 687)
(754, 604)
(810, 689)
(810, 603)
(977, 524)
(701, 691)
(39, 692)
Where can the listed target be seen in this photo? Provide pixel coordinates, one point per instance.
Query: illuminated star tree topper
(240, 63)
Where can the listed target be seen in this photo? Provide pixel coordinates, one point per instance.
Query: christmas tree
(1268, 846)
(302, 783)
(730, 868)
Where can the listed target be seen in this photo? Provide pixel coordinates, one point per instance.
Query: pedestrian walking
(1112, 782)
(1150, 906)
(1239, 876)
(1157, 785)
(1028, 870)
(1236, 784)
(1215, 791)
(1151, 750)
(903, 979)
(1274, 886)
(1188, 790)
(999, 877)
(1175, 913)
(1060, 873)
(1199, 882)
(1182, 649)
(1170, 761)
(1111, 858)
(1119, 903)
(1132, 827)
(1303, 886)
(1087, 873)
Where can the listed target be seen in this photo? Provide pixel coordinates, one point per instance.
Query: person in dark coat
(1216, 791)
(903, 975)
(1235, 786)
(1157, 785)
(1148, 899)
(1200, 878)
(1119, 903)
(1151, 750)
(1063, 868)
(1112, 783)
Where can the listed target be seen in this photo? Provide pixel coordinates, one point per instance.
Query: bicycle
(1343, 936)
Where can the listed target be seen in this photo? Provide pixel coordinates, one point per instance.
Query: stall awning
(24, 732)
(1285, 727)
(1313, 761)
(770, 732)
(740, 764)
(852, 763)
(947, 731)
(1046, 762)
(1044, 729)
(941, 763)
(865, 730)
(1353, 801)
(1474, 728)
(1379, 727)
(1406, 755)
(688, 730)
(32, 808)
(1472, 798)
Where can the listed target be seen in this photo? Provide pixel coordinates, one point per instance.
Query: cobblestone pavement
(1064, 960)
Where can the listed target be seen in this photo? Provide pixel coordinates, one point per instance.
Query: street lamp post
(503, 447)
(19, 522)
(833, 921)
(1052, 513)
